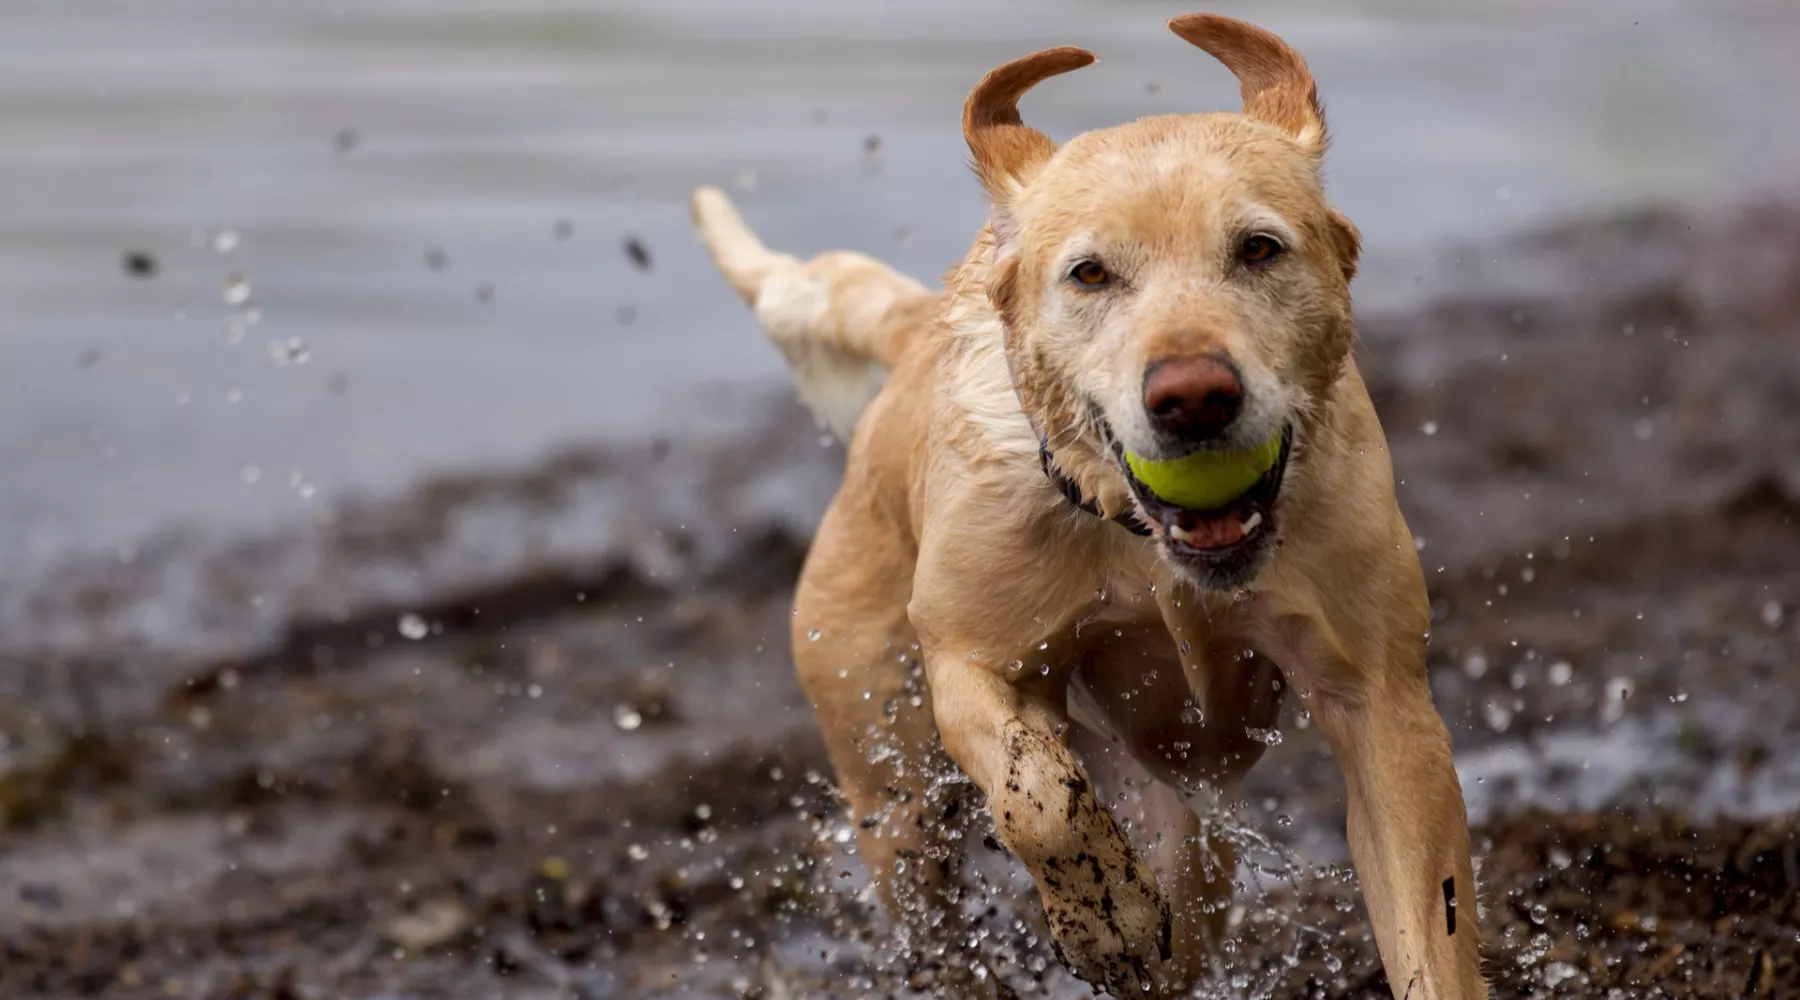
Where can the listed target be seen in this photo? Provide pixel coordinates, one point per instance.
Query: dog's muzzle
(1221, 548)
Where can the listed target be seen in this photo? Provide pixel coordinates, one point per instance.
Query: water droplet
(637, 852)
(1476, 666)
(1498, 716)
(1617, 691)
(1772, 613)
(1044, 644)
(1334, 964)
(814, 635)
(1429, 428)
(237, 290)
(1284, 820)
(292, 351)
(1561, 673)
(249, 474)
(1192, 715)
(1016, 665)
(413, 627)
(1539, 913)
(1643, 428)
(627, 717)
(225, 240)
(1267, 737)
(1556, 973)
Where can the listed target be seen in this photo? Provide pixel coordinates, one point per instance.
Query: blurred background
(399, 513)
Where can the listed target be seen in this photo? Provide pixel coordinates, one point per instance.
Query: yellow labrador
(1170, 285)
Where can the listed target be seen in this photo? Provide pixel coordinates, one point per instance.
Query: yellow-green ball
(1206, 480)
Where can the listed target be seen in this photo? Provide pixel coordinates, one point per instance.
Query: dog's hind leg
(858, 662)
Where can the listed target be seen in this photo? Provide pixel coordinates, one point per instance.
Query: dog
(1174, 285)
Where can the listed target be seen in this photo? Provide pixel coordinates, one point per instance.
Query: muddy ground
(533, 733)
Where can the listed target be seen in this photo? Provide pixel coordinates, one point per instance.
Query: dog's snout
(1193, 398)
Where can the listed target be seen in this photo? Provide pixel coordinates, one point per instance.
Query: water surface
(429, 199)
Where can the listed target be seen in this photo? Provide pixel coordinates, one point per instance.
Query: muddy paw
(1114, 933)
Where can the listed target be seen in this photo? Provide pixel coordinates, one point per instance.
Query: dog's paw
(1113, 933)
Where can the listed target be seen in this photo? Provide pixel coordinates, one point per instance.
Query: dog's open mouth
(1222, 531)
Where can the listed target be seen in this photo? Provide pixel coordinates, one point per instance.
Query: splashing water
(236, 291)
(413, 627)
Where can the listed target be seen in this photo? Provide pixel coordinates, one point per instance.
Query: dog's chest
(1134, 617)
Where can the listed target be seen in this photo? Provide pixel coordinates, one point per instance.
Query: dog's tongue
(1208, 532)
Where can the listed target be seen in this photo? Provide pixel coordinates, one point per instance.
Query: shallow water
(343, 144)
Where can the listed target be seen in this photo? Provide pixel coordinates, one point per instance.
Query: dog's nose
(1194, 397)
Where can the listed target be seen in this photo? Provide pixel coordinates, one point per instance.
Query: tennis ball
(1206, 480)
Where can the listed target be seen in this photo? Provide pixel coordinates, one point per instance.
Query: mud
(534, 734)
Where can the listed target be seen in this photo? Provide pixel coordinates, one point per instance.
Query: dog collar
(1071, 492)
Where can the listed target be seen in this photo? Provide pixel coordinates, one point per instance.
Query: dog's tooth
(1250, 523)
(1176, 532)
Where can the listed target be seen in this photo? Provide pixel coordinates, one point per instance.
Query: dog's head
(1173, 285)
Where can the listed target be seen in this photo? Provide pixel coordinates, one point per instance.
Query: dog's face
(1179, 285)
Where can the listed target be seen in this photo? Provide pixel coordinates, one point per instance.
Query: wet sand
(432, 197)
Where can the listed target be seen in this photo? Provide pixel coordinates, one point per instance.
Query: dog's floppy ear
(1278, 88)
(1006, 151)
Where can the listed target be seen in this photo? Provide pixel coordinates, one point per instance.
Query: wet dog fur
(1042, 631)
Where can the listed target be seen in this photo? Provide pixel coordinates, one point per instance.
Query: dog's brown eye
(1259, 250)
(1090, 273)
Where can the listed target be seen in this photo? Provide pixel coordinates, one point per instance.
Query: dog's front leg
(1363, 679)
(1408, 833)
(1110, 922)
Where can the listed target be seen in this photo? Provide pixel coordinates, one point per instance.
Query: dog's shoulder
(981, 416)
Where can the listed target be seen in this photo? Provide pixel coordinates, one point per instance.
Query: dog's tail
(841, 319)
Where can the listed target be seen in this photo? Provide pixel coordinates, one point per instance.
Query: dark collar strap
(1071, 492)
